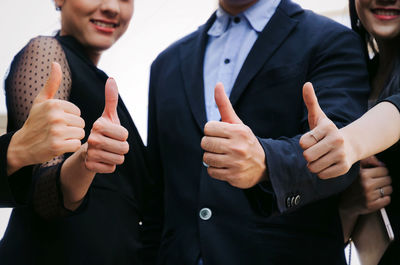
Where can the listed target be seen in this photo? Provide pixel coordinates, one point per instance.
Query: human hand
(325, 147)
(53, 127)
(231, 150)
(107, 143)
(371, 191)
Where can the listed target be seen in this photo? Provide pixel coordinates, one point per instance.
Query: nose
(110, 7)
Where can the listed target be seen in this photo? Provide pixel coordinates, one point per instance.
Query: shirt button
(227, 61)
(236, 20)
(205, 214)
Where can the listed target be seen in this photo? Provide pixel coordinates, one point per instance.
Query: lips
(386, 13)
(104, 26)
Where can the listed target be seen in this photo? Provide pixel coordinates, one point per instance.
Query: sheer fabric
(28, 74)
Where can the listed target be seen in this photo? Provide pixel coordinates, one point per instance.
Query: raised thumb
(315, 113)
(224, 105)
(52, 84)
(111, 101)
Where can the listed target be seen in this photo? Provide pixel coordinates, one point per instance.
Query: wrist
(75, 179)
(16, 154)
(352, 149)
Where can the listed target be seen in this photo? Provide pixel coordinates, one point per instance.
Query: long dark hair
(356, 25)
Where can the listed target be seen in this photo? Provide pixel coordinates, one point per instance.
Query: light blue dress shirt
(229, 42)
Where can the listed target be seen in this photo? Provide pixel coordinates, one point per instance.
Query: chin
(386, 34)
(101, 44)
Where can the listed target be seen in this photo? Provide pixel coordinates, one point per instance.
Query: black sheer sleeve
(28, 74)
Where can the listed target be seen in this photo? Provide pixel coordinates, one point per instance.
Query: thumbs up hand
(232, 152)
(53, 127)
(325, 147)
(107, 143)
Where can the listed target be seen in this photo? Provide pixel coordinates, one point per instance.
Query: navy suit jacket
(292, 218)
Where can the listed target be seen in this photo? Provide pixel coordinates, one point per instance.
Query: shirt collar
(258, 16)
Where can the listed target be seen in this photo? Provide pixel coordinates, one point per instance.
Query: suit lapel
(192, 53)
(270, 39)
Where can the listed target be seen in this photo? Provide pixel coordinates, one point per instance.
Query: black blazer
(105, 230)
(245, 228)
(14, 189)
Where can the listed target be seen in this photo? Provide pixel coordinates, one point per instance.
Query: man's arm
(338, 70)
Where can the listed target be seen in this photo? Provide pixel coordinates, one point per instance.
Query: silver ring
(382, 192)
(313, 136)
(204, 164)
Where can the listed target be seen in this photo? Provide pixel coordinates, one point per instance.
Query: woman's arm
(53, 127)
(330, 152)
(105, 148)
(43, 123)
(375, 131)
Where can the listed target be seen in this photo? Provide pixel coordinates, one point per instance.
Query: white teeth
(103, 24)
(383, 12)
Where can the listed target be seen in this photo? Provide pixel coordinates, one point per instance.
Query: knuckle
(203, 142)
(239, 149)
(302, 142)
(54, 131)
(125, 148)
(363, 174)
(89, 165)
(98, 125)
(369, 206)
(51, 104)
(338, 139)
(55, 147)
(75, 146)
(90, 154)
(206, 157)
(322, 175)
(93, 141)
(207, 128)
(112, 168)
(81, 123)
(237, 164)
(120, 160)
(307, 156)
(341, 155)
(366, 185)
(81, 134)
(210, 172)
(243, 131)
(330, 125)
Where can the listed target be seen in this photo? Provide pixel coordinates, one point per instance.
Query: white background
(155, 25)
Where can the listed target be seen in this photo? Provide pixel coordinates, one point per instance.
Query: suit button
(292, 201)
(205, 214)
(289, 202)
(297, 200)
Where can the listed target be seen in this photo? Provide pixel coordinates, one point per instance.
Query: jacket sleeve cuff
(14, 189)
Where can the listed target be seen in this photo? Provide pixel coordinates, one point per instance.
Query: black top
(105, 231)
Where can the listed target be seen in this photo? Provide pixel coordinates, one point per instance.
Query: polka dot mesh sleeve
(28, 75)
